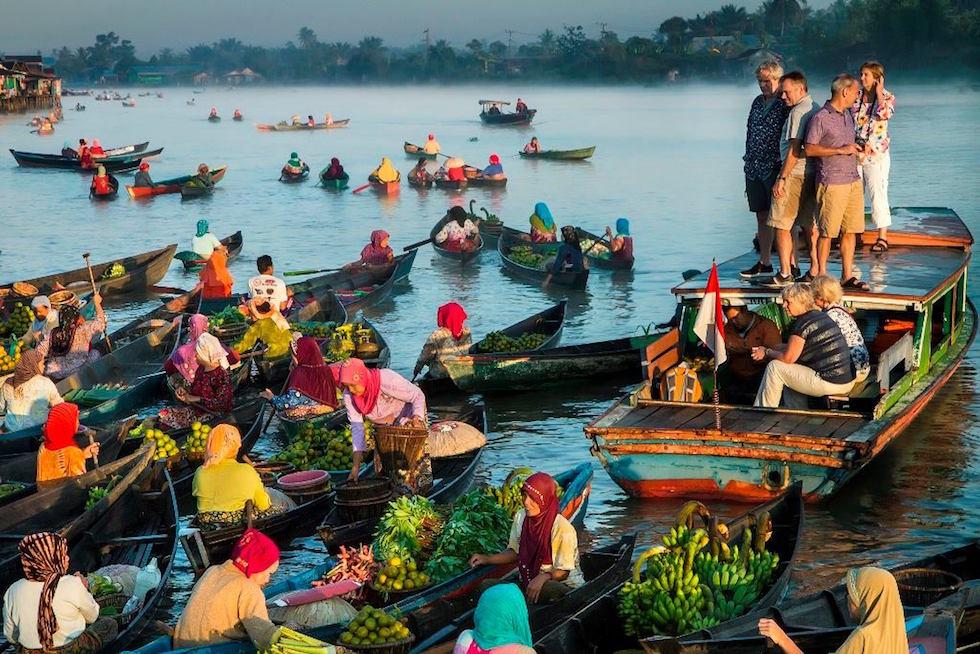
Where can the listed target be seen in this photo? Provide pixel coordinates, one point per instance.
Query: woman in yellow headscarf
(543, 227)
(872, 597)
(385, 173)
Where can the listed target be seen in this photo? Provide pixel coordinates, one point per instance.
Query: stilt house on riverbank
(27, 85)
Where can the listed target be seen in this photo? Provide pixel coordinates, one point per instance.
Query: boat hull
(300, 128)
(509, 237)
(386, 188)
(171, 185)
(508, 119)
(563, 155)
(416, 152)
(338, 184)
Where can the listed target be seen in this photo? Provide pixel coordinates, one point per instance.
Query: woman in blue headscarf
(543, 228)
(204, 242)
(500, 624)
(621, 245)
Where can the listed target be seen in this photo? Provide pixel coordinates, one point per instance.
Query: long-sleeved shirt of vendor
(398, 401)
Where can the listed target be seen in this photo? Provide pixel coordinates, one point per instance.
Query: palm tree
(547, 41)
(780, 12)
(307, 38)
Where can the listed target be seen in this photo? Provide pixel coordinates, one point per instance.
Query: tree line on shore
(906, 34)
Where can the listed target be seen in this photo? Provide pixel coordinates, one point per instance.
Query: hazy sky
(26, 27)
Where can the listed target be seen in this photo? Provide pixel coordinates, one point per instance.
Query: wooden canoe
(461, 257)
(172, 185)
(338, 184)
(594, 255)
(469, 182)
(416, 183)
(113, 190)
(238, 118)
(348, 284)
(190, 191)
(142, 270)
(510, 237)
(597, 626)
(192, 263)
(418, 152)
(60, 507)
(385, 188)
(565, 155)
(112, 158)
(214, 119)
(284, 127)
(287, 177)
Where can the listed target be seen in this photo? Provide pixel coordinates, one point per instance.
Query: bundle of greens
(408, 527)
(478, 524)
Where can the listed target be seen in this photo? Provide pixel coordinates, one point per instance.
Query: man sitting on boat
(495, 170)
(814, 362)
(143, 179)
(203, 177)
(520, 107)
(295, 165)
(266, 287)
(45, 320)
(420, 173)
(744, 331)
(459, 234)
(451, 338)
(493, 110)
(431, 145)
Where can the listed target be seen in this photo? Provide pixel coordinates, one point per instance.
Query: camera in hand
(860, 141)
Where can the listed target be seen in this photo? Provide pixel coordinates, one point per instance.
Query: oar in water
(361, 188)
(417, 245)
(296, 273)
(95, 290)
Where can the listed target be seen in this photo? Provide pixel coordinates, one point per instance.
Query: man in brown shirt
(744, 330)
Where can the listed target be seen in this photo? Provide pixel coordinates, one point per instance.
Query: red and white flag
(710, 323)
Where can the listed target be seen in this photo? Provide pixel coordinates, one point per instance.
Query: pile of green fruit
(95, 493)
(11, 487)
(314, 329)
(408, 527)
(501, 342)
(695, 580)
(166, 446)
(20, 319)
(525, 255)
(315, 447)
(197, 442)
(10, 355)
(373, 627)
(478, 524)
(226, 317)
(113, 271)
(400, 573)
(100, 586)
(508, 494)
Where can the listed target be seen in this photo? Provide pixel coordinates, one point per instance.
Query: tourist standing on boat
(45, 320)
(266, 287)
(223, 485)
(311, 389)
(543, 227)
(382, 396)
(227, 603)
(334, 170)
(100, 183)
(385, 173)
(542, 543)
(204, 242)
(520, 107)
(459, 234)
(183, 365)
(794, 195)
(875, 106)
(828, 296)
(533, 147)
(495, 170)
(569, 257)
(59, 457)
(70, 345)
(431, 145)
(143, 179)
(766, 117)
(211, 392)
(375, 253)
(451, 338)
(874, 603)
(420, 173)
(620, 244)
(830, 138)
(270, 328)
(814, 362)
(745, 330)
(27, 395)
(216, 281)
(49, 609)
(500, 624)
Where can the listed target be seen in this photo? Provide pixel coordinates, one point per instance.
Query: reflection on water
(668, 159)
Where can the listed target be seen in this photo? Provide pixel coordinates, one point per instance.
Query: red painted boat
(171, 185)
(386, 188)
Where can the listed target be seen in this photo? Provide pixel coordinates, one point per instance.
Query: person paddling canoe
(334, 171)
(143, 179)
(295, 165)
(100, 183)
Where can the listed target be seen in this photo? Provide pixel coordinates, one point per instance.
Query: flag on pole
(710, 323)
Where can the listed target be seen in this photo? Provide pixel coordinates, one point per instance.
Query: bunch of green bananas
(508, 494)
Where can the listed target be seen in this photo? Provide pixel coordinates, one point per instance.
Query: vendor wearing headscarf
(27, 395)
(621, 244)
(500, 624)
(569, 257)
(216, 280)
(451, 338)
(143, 179)
(182, 366)
(227, 603)
(49, 609)
(381, 396)
(460, 234)
(204, 242)
(59, 457)
(295, 165)
(269, 328)
(543, 227)
(385, 172)
(310, 389)
(542, 543)
(45, 320)
(334, 170)
(100, 183)
(69, 347)
(874, 603)
(431, 145)
(421, 173)
(494, 170)
(211, 392)
(377, 252)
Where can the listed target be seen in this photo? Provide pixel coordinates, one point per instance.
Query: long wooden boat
(141, 526)
(419, 152)
(116, 164)
(461, 257)
(110, 194)
(285, 127)
(502, 118)
(595, 254)
(60, 507)
(597, 626)
(509, 238)
(469, 182)
(347, 284)
(825, 613)
(923, 324)
(142, 270)
(336, 184)
(110, 153)
(287, 177)
(172, 185)
(133, 366)
(577, 154)
(214, 119)
(192, 263)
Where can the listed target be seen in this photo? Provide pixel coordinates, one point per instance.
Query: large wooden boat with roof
(917, 322)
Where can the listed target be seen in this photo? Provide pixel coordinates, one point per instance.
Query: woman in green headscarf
(204, 242)
(295, 165)
(500, 624)
(543, 228)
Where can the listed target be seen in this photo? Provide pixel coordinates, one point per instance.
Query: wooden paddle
(417, 245)
(361, 188)
(95, 291)
(296, 273)
(91, 441)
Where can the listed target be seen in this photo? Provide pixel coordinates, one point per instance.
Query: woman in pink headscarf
(182, 365)
(451, 338)
(381, 396)
(377, 252)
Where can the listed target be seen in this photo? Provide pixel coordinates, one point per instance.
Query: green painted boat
(417, 152)
(338, 184)
(564, 155)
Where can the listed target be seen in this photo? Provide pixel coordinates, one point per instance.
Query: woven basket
(24, 290)
(924, 586)
(62, 298)
(400, 647)
(400, 447)
(117, 601)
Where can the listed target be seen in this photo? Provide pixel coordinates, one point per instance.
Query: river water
(667, 158)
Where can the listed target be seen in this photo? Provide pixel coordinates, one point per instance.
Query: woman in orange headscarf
(216, 281)
(59, 457)
(451, 338)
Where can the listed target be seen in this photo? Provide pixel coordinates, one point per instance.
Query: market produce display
(197, 441)
(11, 487)
(373, 627)
(354, 564)
(113, 271)
(525, 255)
(287, 641)
(508, 494)
(314, 329)
(695, 581)
(595, 248)
(227, 317)
(408, 527)
(478, 523)
(95, 494)
(315, 447)
(166, 446)
(19, 321)
(95, 395)
(501, 342)
(400, 573)
(10, 355)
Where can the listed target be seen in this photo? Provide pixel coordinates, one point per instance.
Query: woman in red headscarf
(216, 280)
(543, 544)
(311, 389)
(227, 603)
(451, 338)
(377, 252)
(59, 457)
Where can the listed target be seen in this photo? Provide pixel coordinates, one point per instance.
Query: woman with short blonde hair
(828, 295)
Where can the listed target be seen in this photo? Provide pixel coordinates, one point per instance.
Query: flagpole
(717, 403)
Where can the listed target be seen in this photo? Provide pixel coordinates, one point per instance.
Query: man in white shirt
(45, 319)
(267, 287)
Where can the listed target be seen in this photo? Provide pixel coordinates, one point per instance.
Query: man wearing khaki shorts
(795, 190)
(840, 195)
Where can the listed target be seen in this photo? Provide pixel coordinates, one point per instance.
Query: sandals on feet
(855, 284)
(880, 246)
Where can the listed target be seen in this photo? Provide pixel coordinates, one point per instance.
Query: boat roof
(494, 102)
(929, 246)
